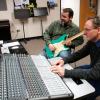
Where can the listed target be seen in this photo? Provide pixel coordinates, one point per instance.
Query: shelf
(21, 13)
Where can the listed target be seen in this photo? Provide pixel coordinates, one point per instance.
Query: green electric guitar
(60, 45)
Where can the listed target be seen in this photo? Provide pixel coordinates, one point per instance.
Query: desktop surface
(29, 77)
(15, 46)
(80, 91)
(83, 90)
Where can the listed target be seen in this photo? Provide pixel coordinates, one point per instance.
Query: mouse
(15, 47)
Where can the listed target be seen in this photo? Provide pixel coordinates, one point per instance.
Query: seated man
(59, 28)
(89, 72)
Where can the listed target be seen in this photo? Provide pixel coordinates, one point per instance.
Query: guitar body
(59, 47)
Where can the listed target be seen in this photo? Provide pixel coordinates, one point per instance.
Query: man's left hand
(68, 43)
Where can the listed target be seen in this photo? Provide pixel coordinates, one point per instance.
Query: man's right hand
(58, 62)
(51, 47)
(58, 69)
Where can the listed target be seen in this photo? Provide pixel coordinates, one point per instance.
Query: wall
(75, 5)
(98, 8)
(32, 25)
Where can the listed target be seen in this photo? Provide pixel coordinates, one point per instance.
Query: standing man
(89, 72)
(59, 28)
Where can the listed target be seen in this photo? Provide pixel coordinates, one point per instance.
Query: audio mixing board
(29, 77)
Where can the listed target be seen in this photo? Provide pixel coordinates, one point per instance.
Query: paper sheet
(10, 44)
(25, 2)
(5, 50)
(1, 41)
(18, 2)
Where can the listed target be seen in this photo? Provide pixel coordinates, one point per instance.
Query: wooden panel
(85, 11)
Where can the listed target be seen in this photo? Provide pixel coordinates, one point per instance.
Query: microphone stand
(23, 31)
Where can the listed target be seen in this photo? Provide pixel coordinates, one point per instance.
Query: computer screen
(40, 11)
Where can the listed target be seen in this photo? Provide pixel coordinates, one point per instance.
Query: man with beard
(59, 28)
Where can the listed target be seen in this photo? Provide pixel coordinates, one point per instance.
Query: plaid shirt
(56, 30)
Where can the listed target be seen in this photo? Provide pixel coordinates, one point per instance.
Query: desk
(28, 77)
(81, 91)
(24, 76)
(15, 46)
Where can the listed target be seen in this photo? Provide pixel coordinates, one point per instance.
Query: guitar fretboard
(74, 37)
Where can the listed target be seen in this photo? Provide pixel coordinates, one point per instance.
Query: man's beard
(64, 23)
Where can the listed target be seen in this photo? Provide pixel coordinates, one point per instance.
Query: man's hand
(51, 47)
(68, 42)
(58, 69)
(58, 62)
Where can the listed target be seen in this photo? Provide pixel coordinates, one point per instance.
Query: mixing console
(29, 77)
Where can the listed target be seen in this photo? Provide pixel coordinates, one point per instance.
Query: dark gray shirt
(94, 72)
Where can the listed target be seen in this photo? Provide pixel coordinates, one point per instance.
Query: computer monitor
(40, 11)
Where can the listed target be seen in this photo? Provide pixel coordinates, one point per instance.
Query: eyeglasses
(88, 29)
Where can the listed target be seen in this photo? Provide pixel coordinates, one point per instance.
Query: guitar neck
(73, 37)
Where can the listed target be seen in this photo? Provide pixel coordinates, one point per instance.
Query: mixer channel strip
(13, 86)
(53, 82)
(29, 76)
(34, 84)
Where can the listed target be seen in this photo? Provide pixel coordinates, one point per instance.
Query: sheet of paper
(1, 41)
(5, 50)
(25, 2)
(18, 2)
(11, 44)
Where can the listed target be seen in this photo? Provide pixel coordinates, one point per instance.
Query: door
(87, 8)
